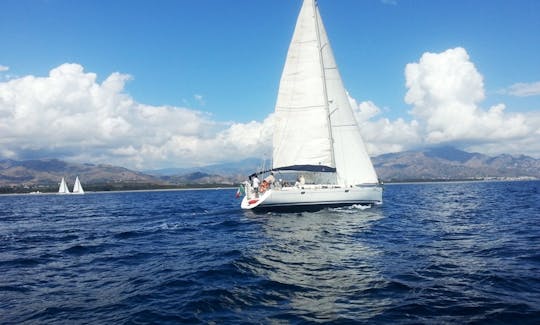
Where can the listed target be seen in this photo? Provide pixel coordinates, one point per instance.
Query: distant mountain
(224, 173)
(45, 175)
(240, 168)
(49, 172)
(448, 153)
(438, 163)
(448, 163)
(201, 178)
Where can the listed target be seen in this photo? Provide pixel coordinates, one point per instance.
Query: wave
(433, 253)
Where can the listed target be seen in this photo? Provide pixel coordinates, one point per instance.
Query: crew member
(270, 179)
(255, 184)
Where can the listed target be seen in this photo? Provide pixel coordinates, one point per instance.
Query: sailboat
(319, 157)
(63, 187)
(77, 188)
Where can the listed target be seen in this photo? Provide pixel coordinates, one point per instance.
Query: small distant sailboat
(77, 188)
(63, 187)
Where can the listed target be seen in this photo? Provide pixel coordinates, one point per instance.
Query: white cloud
(382, 135)
(3, 68)
(445, 91)
(69, 115)
(522, 89)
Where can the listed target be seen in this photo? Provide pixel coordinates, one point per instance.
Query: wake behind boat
(319, 157)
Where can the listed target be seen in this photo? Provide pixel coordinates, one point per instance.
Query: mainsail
(77, 188)
(63, 189)
(314, 122)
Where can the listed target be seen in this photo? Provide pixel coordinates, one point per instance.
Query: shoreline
(125, 191)
(210, 187)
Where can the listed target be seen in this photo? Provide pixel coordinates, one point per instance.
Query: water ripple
(433, 253)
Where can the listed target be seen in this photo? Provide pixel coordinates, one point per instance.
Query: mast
(323, 74)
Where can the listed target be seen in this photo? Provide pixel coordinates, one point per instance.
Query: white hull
(313, 196)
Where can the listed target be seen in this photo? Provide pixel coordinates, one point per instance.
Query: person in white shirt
(255, 182)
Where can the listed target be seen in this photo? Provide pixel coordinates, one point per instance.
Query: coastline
(127, 191)
(196, 187)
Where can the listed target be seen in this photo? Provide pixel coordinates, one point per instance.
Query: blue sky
(223, 59)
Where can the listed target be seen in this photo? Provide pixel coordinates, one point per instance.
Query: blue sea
(451, 253)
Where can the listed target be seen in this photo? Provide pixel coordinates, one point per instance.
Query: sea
(433, 253)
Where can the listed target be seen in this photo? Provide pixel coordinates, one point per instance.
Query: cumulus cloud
(445, 91)
(522, 89)
(381, 135)
(69, 114)
(3, 68)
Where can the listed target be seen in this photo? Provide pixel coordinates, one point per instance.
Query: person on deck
(255, 182)
(300, 181)
(270, 179)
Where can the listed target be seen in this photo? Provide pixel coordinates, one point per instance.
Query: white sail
(301, 132)
(77, 188)
(315, 130)
(311, 97)
(352, 161)
(63, 187)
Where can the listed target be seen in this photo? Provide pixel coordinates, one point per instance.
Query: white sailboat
(63, 187)
(316, 140)
(77, 188)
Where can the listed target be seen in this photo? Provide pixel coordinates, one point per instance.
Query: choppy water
(433, 253)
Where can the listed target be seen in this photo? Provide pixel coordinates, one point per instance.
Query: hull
(313, 198)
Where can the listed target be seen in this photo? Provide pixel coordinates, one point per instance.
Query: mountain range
(449, 163)
(48, 173)
(438, 163)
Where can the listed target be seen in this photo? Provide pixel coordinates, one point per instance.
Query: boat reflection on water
(321, 263)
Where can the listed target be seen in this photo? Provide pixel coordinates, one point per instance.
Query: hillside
(448, 163)
(441, 163)
(47, 173)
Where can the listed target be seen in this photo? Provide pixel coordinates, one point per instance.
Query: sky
(184, 83)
